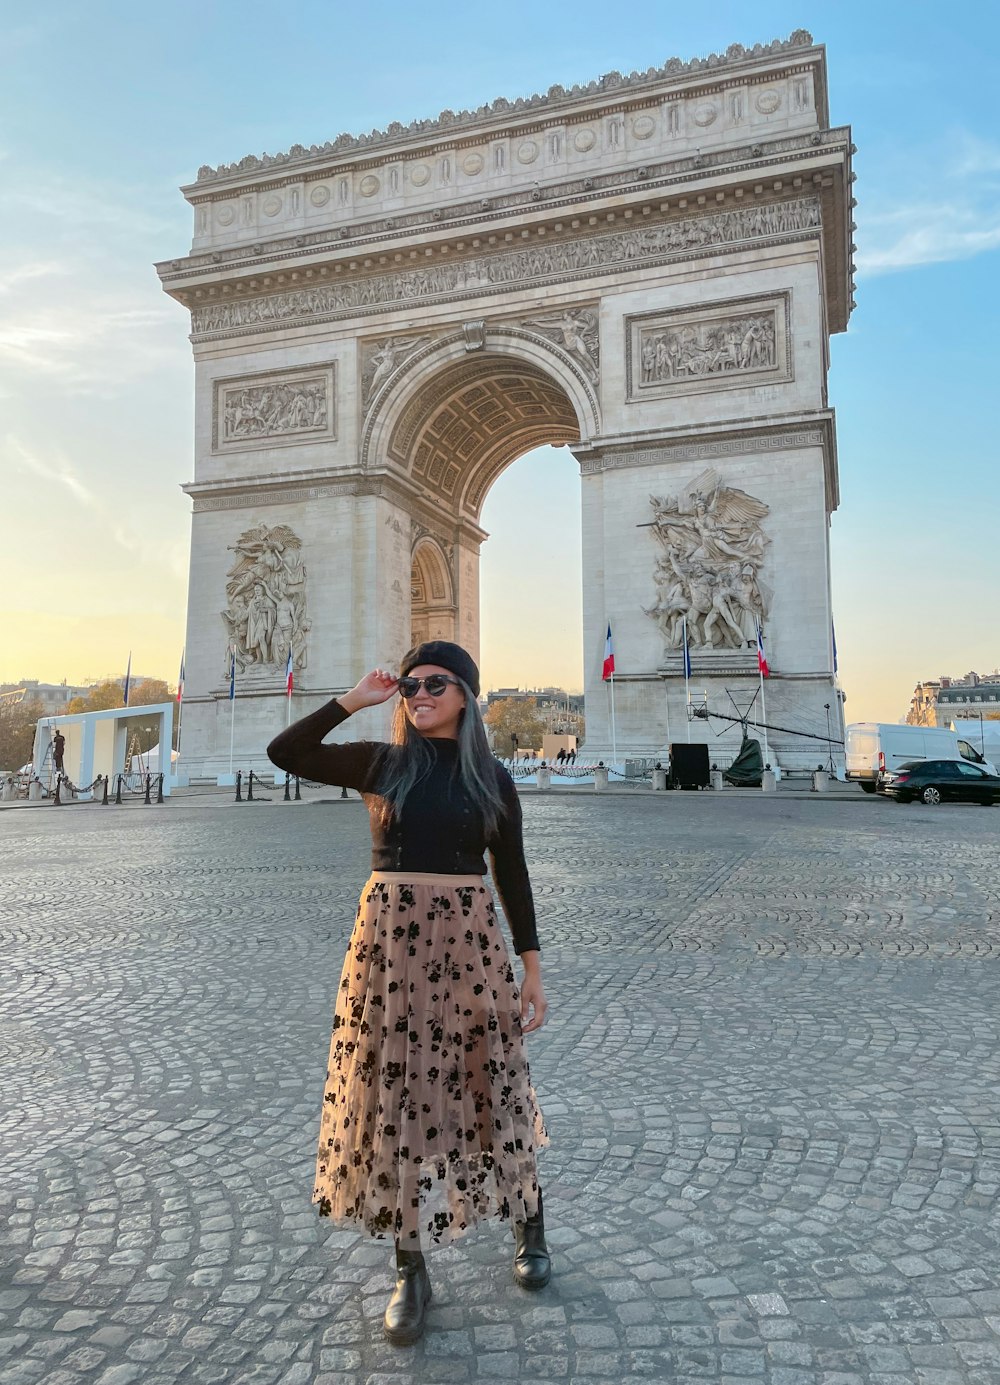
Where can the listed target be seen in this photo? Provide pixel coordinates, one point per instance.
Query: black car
(938, 781)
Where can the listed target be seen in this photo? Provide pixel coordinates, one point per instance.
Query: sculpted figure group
(736, 344)
(266, 615)
(708, 576)
(265, 410)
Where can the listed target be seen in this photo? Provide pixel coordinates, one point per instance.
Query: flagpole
(232, 705)
(763, 716)
(687, 676)
(614, 738)
(760, 674)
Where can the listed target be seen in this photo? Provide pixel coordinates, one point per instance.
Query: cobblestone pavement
(771, 1079)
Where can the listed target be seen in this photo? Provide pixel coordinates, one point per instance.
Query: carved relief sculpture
(575, 330)
(266, 592)
(617, 250)
(381, 359)
(719, 346)
(713, 550)
(270, 410)
(274, 408)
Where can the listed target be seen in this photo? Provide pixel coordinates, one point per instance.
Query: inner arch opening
(460, 432)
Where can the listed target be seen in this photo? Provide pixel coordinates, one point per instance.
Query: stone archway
(447, 424)
(432, 603)
(645, 269)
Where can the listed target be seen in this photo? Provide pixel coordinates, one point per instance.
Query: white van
(873, 747)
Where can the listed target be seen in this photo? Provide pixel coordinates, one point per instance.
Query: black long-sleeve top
(441, 832)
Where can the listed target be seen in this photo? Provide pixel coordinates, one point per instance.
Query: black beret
(443, 654)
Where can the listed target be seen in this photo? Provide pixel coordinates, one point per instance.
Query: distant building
(940, 702)
(53, 696)
(561, 712)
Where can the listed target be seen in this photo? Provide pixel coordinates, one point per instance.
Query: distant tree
(510, 716)
(17, 732)
(102, 697)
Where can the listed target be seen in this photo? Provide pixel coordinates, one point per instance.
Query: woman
(430, 1124)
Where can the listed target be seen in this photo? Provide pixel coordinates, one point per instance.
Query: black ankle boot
(532, 1266)
(404, 1316)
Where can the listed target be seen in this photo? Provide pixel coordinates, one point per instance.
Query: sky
(106, 108)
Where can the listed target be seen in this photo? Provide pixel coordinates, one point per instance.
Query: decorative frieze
(730, 445)
(275, 408)
(482, 274)
(715, 346)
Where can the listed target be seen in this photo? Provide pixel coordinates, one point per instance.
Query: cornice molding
(713, 443)
(749, 160)
(556, 100)
(246, 493)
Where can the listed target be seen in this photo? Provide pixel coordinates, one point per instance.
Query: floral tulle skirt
(430, 1124)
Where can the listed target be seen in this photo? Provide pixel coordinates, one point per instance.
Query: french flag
(609, 657)
(765, 672)
(289, 677)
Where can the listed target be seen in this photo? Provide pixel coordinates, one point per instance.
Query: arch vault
(644, 269)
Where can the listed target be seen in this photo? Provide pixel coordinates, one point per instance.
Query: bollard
(239, 786)
(659, 779)
(821, 781)
(288, 790)
(118, 791)
(104, 797)
(600, 777)
(250, 788)
(343, 791)
(57, 801)
(298, 794)
(715, 778)
(543, 779)
(149, 784)
(159, 790)
(768, 783)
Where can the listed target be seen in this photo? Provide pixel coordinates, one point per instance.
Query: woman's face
(435, 716)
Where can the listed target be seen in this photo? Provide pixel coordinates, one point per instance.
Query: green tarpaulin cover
(747, 768)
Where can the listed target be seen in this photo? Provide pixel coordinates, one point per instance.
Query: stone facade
(941, 702)
(645, 269)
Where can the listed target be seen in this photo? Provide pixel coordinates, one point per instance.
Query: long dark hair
(412, 759)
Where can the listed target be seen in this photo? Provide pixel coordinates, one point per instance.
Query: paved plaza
(770, 1078)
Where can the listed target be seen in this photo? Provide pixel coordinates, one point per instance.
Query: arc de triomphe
(645, 269)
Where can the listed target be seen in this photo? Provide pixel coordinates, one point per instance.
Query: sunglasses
(435, 684)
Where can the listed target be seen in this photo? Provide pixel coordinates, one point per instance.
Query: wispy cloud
(950, 209)
(54, 469)
(920, 235)
(40, 269)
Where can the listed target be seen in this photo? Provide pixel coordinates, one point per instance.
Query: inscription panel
(275, 409)
(742, 342)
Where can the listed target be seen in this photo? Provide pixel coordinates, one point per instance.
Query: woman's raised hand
(376, 687)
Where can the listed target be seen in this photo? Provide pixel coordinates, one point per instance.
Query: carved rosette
(266, 594)
(708, 575)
